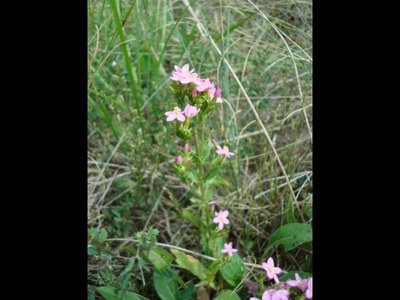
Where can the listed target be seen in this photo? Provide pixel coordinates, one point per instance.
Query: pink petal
(221, 225)
(265, 266)
(235, 250)
(225, 221)
(276, 278)
(181, 117)
(297, 276)
(291, 282)
(266, 295)
(277, 270)
(221, 152)
(216, 220)
(224, 250)
(270, 262)
(171, 117)
(225, 213)
(219, 100)
(168, 113)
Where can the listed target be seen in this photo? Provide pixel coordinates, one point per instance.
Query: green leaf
(290, 236)
(129, 267)
(190, 263)
(227, 295)
(92, 250)
(94, 233)
(110, 293)
(291, 275)
(165, 284)
(102, 236)
(160, 258)
(234, 271)
(212, 173)
(191, 217)
(189, 293)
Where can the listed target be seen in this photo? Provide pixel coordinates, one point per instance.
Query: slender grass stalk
(128, 63)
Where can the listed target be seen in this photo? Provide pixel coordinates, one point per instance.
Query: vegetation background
(260, 54)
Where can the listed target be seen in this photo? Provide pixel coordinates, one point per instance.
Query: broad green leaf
(102, 236)
(165, 284)
(111, 293)
(160, 258)
(227, 295)
(290, 236)
(189, 293)
(234, 271)
(94, 233)
(190, 263)
(291, 275)
(92, 250)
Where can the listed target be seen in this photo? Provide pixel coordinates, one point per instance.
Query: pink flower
(178, 159)
(189, 77)
(183, 75)
(221, 218)
(186, 148)
(299, 282)
(175, 114)
(216, 144)
(309, 289)
(203, 84)
(228, 249)
(191, 111)
(194, 93)
(254, 298)
(225, 151)
(271, 270)
(281, 294)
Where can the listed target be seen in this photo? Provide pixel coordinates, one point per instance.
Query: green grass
(262, 61)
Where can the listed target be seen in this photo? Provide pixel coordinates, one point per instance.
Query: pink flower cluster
(189, 112)
(305, 285)
(184, 76)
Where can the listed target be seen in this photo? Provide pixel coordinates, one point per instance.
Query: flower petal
(171, 117)
(181, 117)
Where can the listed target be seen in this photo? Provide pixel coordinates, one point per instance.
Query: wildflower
(194, 92)
(299, 282)
(309, 289)
(254, 298)
(221, 218)
(189, 77)
(191, 111)
(175, 114)
(271, 270)
(225, 151)
(178, 159)
(203, 84)
(228, 249)
(183, 75)
(186, 148)
(281, 294)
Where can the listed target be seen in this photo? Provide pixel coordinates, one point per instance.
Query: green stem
(204, 202)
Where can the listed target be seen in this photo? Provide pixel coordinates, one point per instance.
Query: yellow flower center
(225, 148)
(176, 110)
